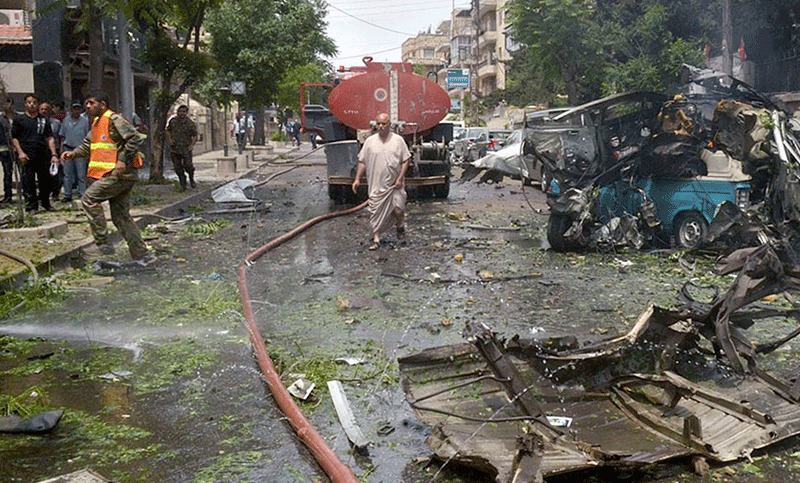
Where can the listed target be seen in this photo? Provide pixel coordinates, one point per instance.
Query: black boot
(182, 179)
(191, 179)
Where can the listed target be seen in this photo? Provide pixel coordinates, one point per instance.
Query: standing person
(239, 129)
(46, 110)
(74, 129)
(296, 127)
(112, 147)
(6, 155)
(181, 136)
(33, 140)
(385, 157)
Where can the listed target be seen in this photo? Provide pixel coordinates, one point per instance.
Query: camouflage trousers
(116, 189)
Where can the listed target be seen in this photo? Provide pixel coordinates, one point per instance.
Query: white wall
(17, 77)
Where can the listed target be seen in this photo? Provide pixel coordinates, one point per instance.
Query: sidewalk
(63, 238)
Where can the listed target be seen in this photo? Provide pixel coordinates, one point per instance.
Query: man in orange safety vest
(112, 147)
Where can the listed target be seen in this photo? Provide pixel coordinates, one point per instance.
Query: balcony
(487, 6)
(487, 69)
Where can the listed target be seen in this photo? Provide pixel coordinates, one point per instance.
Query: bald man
(385, 157)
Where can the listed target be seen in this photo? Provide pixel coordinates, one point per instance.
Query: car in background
(474, 142)
(513, 159)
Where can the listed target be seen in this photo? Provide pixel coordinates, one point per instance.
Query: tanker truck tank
(416, 106)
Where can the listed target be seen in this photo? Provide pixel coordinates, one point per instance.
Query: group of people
(293, 130)
(37, 136)
(99, 159)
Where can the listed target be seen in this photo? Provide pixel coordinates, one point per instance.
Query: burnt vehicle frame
(585, 150)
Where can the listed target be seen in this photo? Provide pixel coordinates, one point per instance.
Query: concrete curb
(73, 257)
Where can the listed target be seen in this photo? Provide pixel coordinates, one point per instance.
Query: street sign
(458, 78)
(237, 88)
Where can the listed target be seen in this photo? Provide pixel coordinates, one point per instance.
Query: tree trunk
(258, 137)
(157, 163)
(96, 49)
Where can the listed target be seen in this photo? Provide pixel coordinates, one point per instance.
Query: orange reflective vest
(103, 151)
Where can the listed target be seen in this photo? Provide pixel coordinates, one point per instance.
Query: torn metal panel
(482, 400)
(342, 406)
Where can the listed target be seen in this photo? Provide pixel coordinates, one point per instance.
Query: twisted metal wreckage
(684, 382)
(658, 172)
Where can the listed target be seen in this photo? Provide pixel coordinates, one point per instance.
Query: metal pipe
(327, 459)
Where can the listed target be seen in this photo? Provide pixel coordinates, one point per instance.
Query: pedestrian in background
(239, 129)
(113, 150)
(46, 110)
(385, 157)
(6, 154)
(74, 129)
(296, 128)
(181, 136)
(33, 140)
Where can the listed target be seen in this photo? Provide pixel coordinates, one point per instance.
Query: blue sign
(458, 78)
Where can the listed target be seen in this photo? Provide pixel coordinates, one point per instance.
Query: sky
(379, 27)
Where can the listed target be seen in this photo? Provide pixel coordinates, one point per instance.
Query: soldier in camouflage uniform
(181, 135)
(112, 147)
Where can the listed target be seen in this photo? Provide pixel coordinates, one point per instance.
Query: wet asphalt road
(195, 390)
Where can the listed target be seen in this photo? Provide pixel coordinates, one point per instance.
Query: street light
(225, 88)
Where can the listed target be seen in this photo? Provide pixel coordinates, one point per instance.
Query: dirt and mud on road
(155, 373)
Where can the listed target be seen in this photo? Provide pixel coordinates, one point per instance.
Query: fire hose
(327, 459)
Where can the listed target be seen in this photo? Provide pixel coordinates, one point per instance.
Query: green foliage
(278, 136)
(207, 229)
(260, 49)
(41, 293)
(288, 91)
(587, 49)
(27, 403)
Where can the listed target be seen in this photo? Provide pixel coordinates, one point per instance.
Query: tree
(173, 51)
(588, 48)
(555, 35)
(260, 50)
(287, 94)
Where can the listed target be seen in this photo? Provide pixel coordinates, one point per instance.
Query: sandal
(374, 246)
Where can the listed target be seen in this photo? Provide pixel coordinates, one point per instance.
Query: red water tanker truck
(415, 105)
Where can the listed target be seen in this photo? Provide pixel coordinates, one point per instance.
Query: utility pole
(727, 38)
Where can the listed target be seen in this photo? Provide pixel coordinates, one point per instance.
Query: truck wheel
(441, 191)
(690, 229)
(557, 226)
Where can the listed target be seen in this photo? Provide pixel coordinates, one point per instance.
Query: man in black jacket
(36, 150)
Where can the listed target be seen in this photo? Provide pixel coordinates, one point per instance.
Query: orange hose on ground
(327, 459)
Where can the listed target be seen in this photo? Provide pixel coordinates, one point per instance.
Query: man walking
(181, 136)
(385, 157)
(36, 150)
(112, 147)
(74, 129)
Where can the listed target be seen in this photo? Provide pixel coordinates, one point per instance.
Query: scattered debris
(36, 424)
(235, 192)
(553, 406)
(116, 375)
(301, 388)
(82, 476)
(351, 428)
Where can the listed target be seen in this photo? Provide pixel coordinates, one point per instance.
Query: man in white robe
(385, 157)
